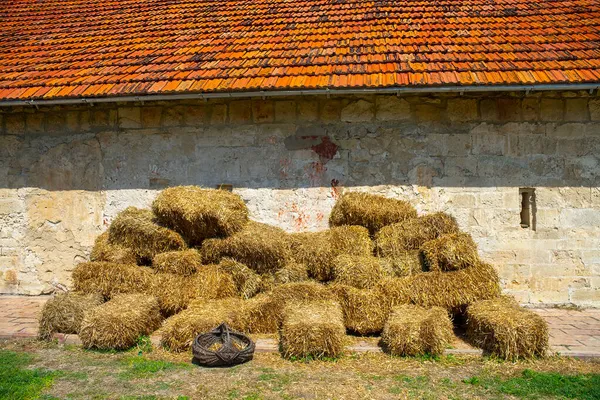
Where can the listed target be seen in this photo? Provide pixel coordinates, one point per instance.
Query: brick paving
(572, 333)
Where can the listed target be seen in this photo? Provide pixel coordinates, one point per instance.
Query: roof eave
(305, 92)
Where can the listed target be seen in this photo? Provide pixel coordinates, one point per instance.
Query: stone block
(195, 115)
(530, 109)
(14, 123)
(130, 117)
(72, 121)
(358, 111)
(392, 108)
(489, 109)
(34, 122)
(151, 116)
(489, 144)
(99, 118)
(586, 296)
(308, 109)
(428, 113)
(240, 111)
(218, 114)
(263, 111)
(462, 110)
(576, 109)
(577, 218)
(55, 122)
(525, 145)
(551, 109)
(285, 111)
(172, 116)
(594, 106)
(509, 109)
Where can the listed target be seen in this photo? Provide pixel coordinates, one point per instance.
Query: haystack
(365, 311)
(200, 214)
(64, 312)
(109, 278)
(264, 313)
(450, 252)
(403, 263)
(369, 210)
(261, 247)
(173, 292)
(247, 282)
(318, 250)
(183, 262)
(104, 251)
(292, 272)
(502, 328)
(212, 282)
(312, 329)
(119, 323)
(413, 330)
(179, 331)
(362, 272)
(393, 240)
(451, 290)
(136, 229)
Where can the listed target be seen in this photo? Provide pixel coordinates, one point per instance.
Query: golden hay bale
(267, 283)
(413, 330)
(183, 262)
(104, 251)
(212, 282)
(450, 252)
(318, 250)
(365, 311)
(502, 328)
(362, 272)
(109, 278)
(261, 247)
(264, 313)
(247, 282)
(173, 292)
(369, 210)
(292, 272)
(312, 329)
(119, 323)
(200, 214)
(136, 229)
(404, 264)
(179, 331)
(64, 312)
(451, 290)
(411, 234)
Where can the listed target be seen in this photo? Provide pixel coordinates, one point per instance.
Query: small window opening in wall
(528, 209)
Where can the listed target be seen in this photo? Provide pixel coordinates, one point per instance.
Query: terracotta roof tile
(73, 48)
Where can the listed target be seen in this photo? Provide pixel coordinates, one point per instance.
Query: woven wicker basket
(222, 347)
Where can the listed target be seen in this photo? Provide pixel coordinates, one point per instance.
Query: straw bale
(179, 331)
(104, 251)
(173, 292)
(369, 210)
(64, 312)
(247, 282)
(450, 252)
(451, 290)
(318, 250)
(137, 229)
(503, 329)
(182, 262)
(365, 311)
(411, 234)
(109, 278)
(200, 214)
(119, 323)
(312, 329)
(212, 282)
(413, 330)
(362, 272)
(292, 272)
(404, 263)
(261, 247)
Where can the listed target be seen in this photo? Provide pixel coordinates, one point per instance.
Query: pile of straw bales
(195, 260)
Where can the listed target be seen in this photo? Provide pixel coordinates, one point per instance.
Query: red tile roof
(79, 48)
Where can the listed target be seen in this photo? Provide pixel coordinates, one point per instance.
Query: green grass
(139, 367)
(16, 381)
(540, 385)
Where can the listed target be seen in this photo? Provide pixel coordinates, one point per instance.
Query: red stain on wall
(326, 149)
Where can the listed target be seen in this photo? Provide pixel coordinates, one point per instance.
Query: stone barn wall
(66, 171)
